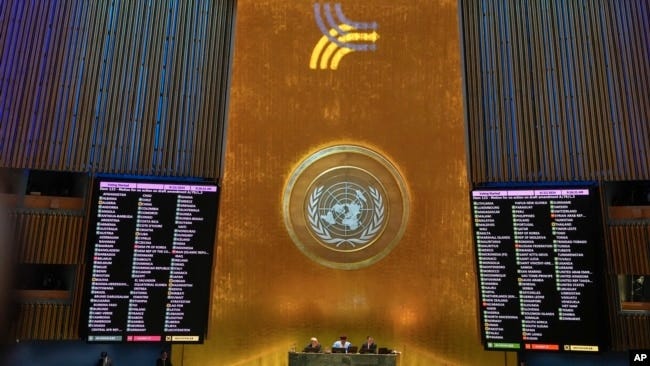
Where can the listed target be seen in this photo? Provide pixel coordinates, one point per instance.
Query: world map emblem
(346, 214)
(345, 206)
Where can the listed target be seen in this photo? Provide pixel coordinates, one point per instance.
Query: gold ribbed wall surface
(46, 321)
(630, 255)
(131, 87)
(53, 238)
(635, 331)
(630, 248)
(49, 238)
(557, 90)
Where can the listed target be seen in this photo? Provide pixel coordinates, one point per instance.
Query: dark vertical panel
(533, 44)
(49, 82)
(30, 46)
(518, 83)
(619, 79)
(529, 125)
(583, 122)
(117, 55)
(496, 72)
(114, 86)
(581, 70)
(48, 238)
(536, 95)
(65, 119)
(556, 87)
(12, 37)
(630, 250)
(616, 330)
(509, 121)
(151, 58)
(469, 24)
(480, 132)
(82, 142)
(604, 151)
(635, 120)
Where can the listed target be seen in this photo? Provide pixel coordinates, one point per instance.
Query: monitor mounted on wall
(149, 260)
(538, 254)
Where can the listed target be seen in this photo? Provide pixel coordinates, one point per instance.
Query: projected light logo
(341, 36)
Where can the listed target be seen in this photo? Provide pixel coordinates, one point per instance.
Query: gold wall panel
(403, 101)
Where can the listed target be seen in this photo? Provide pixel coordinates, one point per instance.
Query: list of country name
(537, 236)
(147, 238)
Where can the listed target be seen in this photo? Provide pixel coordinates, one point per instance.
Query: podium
(344, 359)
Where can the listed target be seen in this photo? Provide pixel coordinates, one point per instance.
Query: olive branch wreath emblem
(368, 233)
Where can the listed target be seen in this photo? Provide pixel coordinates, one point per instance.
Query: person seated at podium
(163, 360)
(341, 345)
(369, 346)
(313, 346)
(104, 360)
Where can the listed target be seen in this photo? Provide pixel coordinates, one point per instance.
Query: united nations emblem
(346, 214)
(345, 206)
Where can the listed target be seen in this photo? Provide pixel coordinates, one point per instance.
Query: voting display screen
(149, 269)
(539, 268)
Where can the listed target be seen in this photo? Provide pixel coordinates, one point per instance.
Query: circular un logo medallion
(345, 207)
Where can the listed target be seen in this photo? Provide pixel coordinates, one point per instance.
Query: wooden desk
(346, 359)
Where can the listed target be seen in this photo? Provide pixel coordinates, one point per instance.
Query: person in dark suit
(369, 346)
(313, 346)
(104, 360)
(163, 360)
